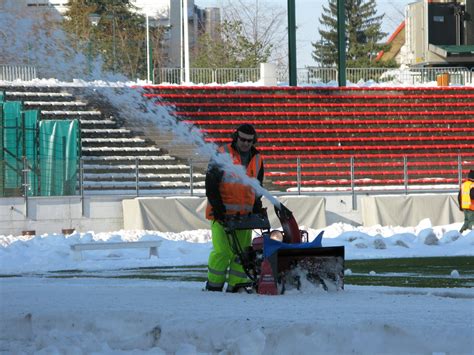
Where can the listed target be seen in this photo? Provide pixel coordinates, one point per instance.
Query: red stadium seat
(430, 129)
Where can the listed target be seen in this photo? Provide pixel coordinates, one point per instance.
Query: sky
(308, 13)
(95, 315)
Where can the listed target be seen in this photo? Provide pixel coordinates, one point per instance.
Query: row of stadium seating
(327, 106)
(394, 136)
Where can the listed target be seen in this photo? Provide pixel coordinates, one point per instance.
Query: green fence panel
(58, 157)
(2, 161)
(31, 149)
(2, 96)
(12, 144)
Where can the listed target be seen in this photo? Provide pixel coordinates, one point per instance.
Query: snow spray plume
(37, 39)
(143, 113)
(40, 41)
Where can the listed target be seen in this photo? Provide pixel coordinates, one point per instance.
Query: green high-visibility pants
(223, 264)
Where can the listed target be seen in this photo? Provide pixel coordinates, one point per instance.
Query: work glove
(261, 211)
(258, 208)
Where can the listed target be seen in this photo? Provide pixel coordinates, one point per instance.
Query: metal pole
(341, 42)
(298, 174)
(148, 52)
(25, 184)
(459, 169)
(191, 177)
(181, 42)
(89, 57)
(113, 40)
(405, 174)
(354, 200)
(137, 177)
(186, 42)
(81, 185)
(292, 43)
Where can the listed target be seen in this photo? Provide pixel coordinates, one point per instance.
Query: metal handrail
(17, 72)
(351, 186)
(309, 75)
(316, 75)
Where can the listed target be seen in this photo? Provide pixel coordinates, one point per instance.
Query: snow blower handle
(288, 223)
(283, 212)
(249, 221)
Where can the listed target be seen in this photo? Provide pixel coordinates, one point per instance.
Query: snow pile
(49, 252)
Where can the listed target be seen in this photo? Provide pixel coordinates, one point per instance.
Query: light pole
(186, 42)
(113, 41)
(148, 52)
(94, 20)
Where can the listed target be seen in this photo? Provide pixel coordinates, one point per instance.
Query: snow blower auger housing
(279, 260)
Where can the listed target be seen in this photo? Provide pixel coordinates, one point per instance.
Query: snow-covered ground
(113, 316)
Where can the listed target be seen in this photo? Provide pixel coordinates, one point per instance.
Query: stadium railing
(315, 75)
(15, 72)
(308, 75)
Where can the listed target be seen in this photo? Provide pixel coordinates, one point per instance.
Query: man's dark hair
(246, 128)
(470, 176)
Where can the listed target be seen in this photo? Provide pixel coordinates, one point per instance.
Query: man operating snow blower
(227, 196)
(275, 260)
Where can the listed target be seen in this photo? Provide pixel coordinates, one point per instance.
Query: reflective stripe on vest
(466, 203)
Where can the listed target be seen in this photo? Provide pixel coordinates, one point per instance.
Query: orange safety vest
(237, 197)
(466, 202)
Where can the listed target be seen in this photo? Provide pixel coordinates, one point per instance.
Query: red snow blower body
(283, 259)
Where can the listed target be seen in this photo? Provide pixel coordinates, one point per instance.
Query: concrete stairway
(115, 159)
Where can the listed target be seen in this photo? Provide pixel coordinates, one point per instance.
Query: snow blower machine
(279, 260)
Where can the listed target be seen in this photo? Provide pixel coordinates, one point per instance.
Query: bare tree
(262, 22)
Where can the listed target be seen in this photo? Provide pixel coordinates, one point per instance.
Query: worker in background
(227, 196)
(466, 201)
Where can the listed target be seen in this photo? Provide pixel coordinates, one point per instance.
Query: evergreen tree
(363, 34)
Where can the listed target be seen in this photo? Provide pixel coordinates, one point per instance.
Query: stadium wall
(52, 214)
(176, 214)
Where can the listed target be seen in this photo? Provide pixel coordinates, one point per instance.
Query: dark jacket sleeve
(213, 180)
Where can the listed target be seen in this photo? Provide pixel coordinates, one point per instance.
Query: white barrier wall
(409, 210)
(175, 214)
(52, 214)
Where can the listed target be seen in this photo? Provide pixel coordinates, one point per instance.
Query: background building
(440, 33)
(54, 6)
(168, 13)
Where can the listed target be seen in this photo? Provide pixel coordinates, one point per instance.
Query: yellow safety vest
(466, 202)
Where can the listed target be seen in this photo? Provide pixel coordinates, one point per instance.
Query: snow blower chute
(279, 260)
